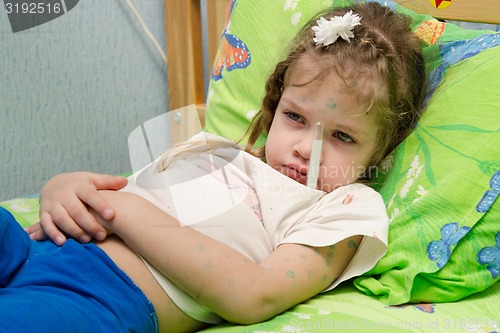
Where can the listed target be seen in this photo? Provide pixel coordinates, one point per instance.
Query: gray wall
(71, 91)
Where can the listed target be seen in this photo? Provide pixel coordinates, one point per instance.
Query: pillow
(25, 210)
(441, 190)
(444, 235)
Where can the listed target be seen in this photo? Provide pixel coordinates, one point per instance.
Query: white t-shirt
(237, 199)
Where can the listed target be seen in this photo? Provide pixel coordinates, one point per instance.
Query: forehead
(318, 72)
(363, 83)
(312, 81)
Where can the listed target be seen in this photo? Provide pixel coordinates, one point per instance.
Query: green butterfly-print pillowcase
(444, 239)
(439, 175)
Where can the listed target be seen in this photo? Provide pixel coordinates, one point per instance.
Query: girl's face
(350, 137)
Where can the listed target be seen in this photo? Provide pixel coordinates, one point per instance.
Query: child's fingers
(94, 200)
(35, 232)
(108, 182)
(86, 227)
(49, 230)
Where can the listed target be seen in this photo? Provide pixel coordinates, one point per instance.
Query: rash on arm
(218, 276)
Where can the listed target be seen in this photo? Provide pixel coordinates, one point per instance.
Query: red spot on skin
(347, 200)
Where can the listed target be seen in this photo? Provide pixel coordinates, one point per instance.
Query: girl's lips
(293, 172)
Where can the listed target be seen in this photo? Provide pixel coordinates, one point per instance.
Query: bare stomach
(170, 317)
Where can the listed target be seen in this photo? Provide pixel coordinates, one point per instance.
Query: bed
(440, 186)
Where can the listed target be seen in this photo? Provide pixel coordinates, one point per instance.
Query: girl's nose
(308, 143)
(303, 147)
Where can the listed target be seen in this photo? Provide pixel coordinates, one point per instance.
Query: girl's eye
(343, 137)
(294, 117)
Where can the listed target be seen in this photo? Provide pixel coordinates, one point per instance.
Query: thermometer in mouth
(314, 160)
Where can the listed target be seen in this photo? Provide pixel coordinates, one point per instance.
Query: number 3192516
(32, 8)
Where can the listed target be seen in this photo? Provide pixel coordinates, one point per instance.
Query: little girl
(214, 233)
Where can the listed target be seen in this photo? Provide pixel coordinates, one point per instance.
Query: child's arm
(63, 206)
(221, 278)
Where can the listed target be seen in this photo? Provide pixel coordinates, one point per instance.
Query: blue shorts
(73, 288)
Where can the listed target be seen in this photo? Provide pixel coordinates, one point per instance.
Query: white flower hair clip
(327, 32)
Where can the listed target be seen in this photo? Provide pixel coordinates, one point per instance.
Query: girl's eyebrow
(296, 106)
(290, 103)
(357, 131)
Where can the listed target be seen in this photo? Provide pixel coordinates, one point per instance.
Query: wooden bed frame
(184, 38)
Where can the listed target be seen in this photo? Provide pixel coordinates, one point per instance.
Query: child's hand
(64, 203)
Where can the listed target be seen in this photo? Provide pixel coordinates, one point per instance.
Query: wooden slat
(216, 12)
(484, 11)
(184, 53)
